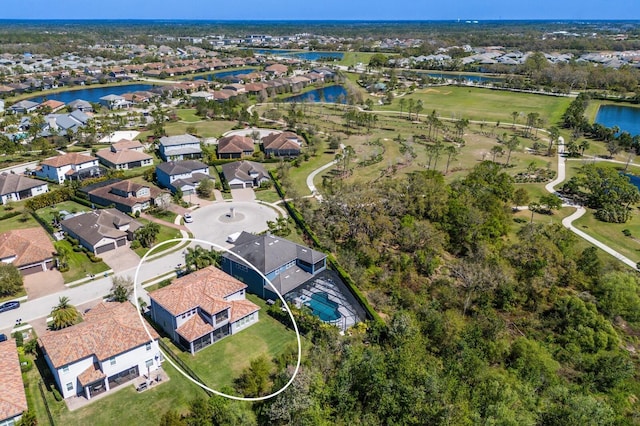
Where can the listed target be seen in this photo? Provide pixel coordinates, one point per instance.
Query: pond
(475, 78)
(627, 118)
(93, 93)
(307, 56)
(325, 94)
(222, 74)
(634, 180)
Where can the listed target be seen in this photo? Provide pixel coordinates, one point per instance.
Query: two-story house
(108, 349)
(183, 175)
(71, 166)
(124, 155)
(114, 102)
(202, 307)
(15, 187)
(180, 147)
(235, 146)
(286, 264)
(126, 196)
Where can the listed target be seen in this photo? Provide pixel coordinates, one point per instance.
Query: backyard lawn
(79, 264)
(219, 364)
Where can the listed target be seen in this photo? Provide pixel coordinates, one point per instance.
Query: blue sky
(324, 9)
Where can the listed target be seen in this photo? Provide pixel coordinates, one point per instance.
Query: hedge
(50, 198)
(43, 223)
(10, 215)
(333, 262)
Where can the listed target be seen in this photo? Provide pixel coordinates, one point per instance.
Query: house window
(148, 363)
(112, 361)
(65, 369)
(69, 386)
(148, 346)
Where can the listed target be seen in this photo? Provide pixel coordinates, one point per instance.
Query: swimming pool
(322, 307)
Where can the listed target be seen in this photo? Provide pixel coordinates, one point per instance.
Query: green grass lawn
(219, 364)
(206, 129)
(69, 206)
(166, 215)
(188, 115)
(79, 264)
(18, 222)
(166, 233)
(267, 195)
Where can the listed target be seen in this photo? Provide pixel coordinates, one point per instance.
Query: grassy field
(188, 115)
(219, 364)
(267, 195)
(206, 129)
(611, 233)
(69, 206)
(18, 222)
(166, 233)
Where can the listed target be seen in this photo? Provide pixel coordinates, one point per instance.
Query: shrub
(56, 395)
(135, 244)
(93, 258)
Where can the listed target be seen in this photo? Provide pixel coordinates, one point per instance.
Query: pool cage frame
(329, 282)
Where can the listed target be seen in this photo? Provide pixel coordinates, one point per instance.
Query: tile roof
(206, 288)
(282, 141)
(90, 375)
(126, 144)
(243, 170)
(179, 140)
(13, 400)
(242, 308)
(30, 245)
(235, 144)
(194, 327)
(108, 329)
(68, 159)
(122, 156)
(105, 192)
(10, 183)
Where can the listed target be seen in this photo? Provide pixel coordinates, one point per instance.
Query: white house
(184, 175)
(15, 187)
(72, 166)
(202, 307)
(114, 102)
(180, 147)
(109, 348)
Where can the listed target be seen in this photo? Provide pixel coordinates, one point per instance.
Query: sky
(322, 10)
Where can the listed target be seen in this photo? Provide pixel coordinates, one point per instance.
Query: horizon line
(461, 20)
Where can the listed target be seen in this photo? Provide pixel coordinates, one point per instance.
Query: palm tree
(554, 135)
(584, 145)
(198, 258)
(419, 107)
(64, 314)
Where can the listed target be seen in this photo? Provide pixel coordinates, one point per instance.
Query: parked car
(187, 218)
(3, 337)
(9, 306)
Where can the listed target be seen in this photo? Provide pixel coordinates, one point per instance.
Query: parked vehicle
(187, 218)
(3, 337)
(7, 306)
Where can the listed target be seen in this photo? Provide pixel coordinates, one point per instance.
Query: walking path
(313, 174)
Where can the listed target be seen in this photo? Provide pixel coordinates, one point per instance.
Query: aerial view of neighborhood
(319, 222)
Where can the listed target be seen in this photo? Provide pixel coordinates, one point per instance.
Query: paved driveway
(243, 194)
(121, 259)
(213, 223)
(43, 283)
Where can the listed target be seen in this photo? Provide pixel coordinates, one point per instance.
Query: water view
(627, 118)
(222, 74)
(475, 78)
(325, 94)
(307, 56)
(92, 93)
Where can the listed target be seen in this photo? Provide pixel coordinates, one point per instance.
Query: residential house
(235, 146)
(72, 166)
(286, 264)
(124, 155)
(126, 196)
(15, 187)
(101, 230)
(114, 102)
(109, 348)
(244, 174)
(205, 96)
(52, 104)
(276, 70)
(13, 400)
(30, 250)
(180, 147)
(81, 105)
(202, 307)
(64, 124)
(23, 107)
(183, 175)
(285, 144)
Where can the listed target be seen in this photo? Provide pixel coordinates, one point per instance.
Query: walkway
(313, 174)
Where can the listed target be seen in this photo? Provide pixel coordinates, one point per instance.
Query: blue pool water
(325, 94)
(627, 118)
(323, 308)
(93, 93)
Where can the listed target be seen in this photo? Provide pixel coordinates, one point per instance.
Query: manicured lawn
(166, 233)
(166, 215)
(206, 129)
(79, 264)
(188, 115)
(69, 206)
(18, 222)
(267, 195)
(219, 364)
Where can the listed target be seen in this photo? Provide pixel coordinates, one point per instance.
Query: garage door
(105, 248)
(237, 186)
(121, 242)
(31, 269)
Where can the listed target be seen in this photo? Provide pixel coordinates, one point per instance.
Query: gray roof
(179, 167)
(98, 224)
(268, 252)
(25, 104)
(79, 103)
(184, 150)
(10, 183)
(109, 98)
(178, 140)
(242, 170)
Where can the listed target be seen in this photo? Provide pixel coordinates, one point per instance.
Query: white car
(187, 218)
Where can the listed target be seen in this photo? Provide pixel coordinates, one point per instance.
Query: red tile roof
(242, 308)
(13, 400)
(30, 245)
(67, 159)
(235, 144)
(90, 375)
(194, 327)
(108, 329)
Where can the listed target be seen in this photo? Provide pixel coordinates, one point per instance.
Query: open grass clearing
(205, 129)
(188, 115)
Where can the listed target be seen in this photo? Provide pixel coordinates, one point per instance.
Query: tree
(64, 314)
(402, 102)
(613, 148)
(496, 151)
(254, 380)
(619, 295)
(550, 202)
(121, 289)
(514, 115)
(11, 281)
(147, 234)
(205, 188)
(511, 144)
(451, 151)
(520, 197)
(198, 258)
(554, 135)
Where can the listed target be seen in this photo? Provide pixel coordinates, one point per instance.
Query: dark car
(3, 337)
(9, 306)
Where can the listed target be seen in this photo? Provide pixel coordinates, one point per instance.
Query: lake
(307, 56)
(625, 117)
(325, 94)
(223, 74)
(93, 93)
(469, 77)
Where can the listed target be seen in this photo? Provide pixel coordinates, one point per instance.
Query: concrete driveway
(214, 223)
(247, 132)
(43, 283)
(243, 194)
(121, 259)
